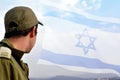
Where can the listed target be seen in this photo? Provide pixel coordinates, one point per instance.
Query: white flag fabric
(78, 41)
(80, 48)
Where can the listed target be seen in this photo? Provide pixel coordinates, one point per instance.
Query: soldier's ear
(32, 33)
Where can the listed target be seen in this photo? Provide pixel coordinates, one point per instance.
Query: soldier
(20, 37)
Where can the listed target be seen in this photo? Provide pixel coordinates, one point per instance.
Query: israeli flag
(81, 42)
(79, 47)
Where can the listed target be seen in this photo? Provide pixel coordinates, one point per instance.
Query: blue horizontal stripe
(80, 19)
(71, 60)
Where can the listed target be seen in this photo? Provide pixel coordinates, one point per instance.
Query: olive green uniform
(11, 65)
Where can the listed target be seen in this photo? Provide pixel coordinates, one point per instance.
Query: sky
(97, 17)
(104, 12)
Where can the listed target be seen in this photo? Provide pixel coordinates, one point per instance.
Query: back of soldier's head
(19, 20)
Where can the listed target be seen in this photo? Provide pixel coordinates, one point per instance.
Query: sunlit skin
(24, 43)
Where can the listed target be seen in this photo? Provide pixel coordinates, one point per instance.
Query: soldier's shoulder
(5, 52)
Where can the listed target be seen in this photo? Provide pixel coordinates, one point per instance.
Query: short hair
(20, 33)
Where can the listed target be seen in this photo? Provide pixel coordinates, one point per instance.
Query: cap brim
(40, 23)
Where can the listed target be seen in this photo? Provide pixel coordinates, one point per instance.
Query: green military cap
(20, 18)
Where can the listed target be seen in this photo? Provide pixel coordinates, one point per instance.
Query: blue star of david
(90, 39)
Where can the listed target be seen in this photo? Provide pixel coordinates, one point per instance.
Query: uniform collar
(17, 54)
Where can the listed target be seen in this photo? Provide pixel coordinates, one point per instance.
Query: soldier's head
(21, 21)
